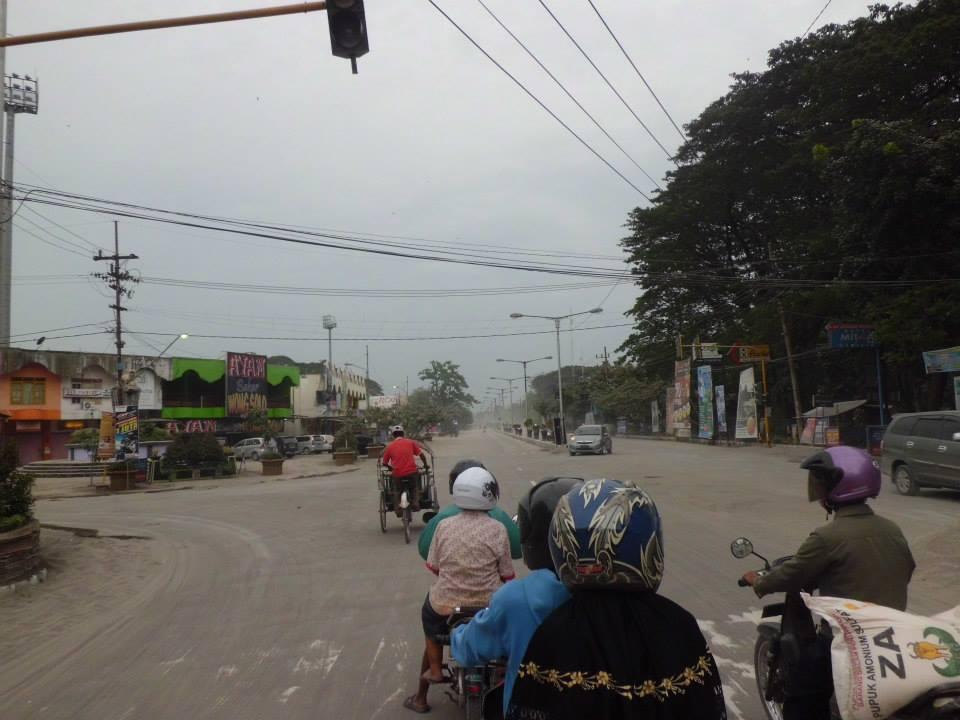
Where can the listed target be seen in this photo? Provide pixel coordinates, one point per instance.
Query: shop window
(28, 391)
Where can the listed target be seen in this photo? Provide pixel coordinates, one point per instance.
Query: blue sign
(850, 335)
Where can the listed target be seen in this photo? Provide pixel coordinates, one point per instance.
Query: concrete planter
(272, 467)
(374, 451)
(344, 457)
(122, 479)
(19, 552)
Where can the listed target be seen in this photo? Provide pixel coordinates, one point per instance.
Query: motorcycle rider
(470, 555)
(423, 542)
(517, 609)
(859, 555)
(401, 457)
(616, 649)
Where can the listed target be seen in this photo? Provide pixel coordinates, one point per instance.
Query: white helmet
(476, 489)
(396, 429)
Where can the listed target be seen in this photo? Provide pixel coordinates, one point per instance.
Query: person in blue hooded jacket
(516, 610)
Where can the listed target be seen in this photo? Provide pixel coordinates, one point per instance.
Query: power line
(640, 74)
(42, 239)
(41, 332)
(609, 84)
(568, 93)
(393, 339)
(538, 101)
(63, 240)
(814, 21)
(63, 227)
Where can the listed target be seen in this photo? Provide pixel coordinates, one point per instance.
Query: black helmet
(533, 516)
(460, 467)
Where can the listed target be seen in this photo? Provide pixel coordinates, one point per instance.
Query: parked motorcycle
(478, 690)
(785, 643)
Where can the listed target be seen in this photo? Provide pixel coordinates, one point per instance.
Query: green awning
(188, 413)
(209, 370)
(276, 374)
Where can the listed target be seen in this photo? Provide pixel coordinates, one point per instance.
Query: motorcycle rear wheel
(761, 663)
(474, 708)
(407, 518)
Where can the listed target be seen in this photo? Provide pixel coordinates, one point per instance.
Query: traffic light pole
(304, 7)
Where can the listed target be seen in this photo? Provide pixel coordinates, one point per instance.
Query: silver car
(592, 439)
(922, 450)
(250, 449)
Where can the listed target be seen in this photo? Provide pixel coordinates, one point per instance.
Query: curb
(542, 444)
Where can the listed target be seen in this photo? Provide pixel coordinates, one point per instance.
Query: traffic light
(348, 30)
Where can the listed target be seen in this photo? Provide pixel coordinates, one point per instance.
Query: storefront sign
(721, 410)
(246, 384)
(192, 426)
(938, 361)
(851, 335)
(753, 353)
(126, 432)
(681, 398)
(87, 392)
(833, 436)
(747, 426)
(705, 397)
(28, 426)
(710, 352)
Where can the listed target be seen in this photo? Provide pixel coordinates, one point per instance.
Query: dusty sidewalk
(300, 467)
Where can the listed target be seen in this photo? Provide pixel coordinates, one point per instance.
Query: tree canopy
(822, 189)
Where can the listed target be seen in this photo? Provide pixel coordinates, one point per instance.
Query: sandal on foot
(411, 704)
(432, 679)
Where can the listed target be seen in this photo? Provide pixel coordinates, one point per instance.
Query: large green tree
(825, 188)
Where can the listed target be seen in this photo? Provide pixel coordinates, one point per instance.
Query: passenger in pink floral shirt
(470, 555)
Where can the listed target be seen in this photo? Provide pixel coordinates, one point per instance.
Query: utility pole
(115, 279)
(366, 387)
(797, 409)
(6, 211)
(329, 323)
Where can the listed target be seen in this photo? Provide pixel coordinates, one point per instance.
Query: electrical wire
(42, 239)
(609, 84)
(568, 93)
(539, 101)
(640, 74)
(63, 227)
(814, 21)
(393, 339)
(35, 333)
(41, 228)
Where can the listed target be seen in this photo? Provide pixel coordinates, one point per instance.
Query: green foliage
(194, 449)
(88, 439)
(16, 487)
(346, 436)
(808, 188)
(12, 522)
(271, 455)
(152, 432)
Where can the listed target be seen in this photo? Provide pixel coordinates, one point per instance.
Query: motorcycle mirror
(741, 547)
(514, 519)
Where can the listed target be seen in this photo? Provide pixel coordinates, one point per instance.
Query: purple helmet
(846, 475)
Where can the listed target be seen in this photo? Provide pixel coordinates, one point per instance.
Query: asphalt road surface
(284, 600)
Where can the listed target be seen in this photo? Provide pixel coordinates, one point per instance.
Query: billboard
(938, 361)
(747, 425)
(126, 431)
(654, 417)
(681, 398)
(721, 410)
(384, 401)
(246, 384)
(668, 410)
(705, 401)
(851, 335)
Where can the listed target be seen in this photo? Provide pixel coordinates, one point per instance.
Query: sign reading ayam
(246, 384)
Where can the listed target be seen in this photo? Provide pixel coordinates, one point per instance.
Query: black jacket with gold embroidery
(619, 656)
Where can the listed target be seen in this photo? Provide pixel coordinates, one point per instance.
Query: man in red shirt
(401, 457)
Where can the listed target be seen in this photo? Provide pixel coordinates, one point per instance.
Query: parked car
(250, 449)
(922, 450)
(327, 443)
(310, 444)
(287, 445)
(592, 439)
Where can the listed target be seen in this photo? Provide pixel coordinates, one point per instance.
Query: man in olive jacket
(859, 555)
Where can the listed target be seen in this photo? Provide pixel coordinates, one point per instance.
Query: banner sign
(747, 425)
(851, 335)
(681, 399)
(708, 351)
(246, 384)
(668, 410)
(107, 445)
(126, 432)
(654, 417)
(938, 361)
(721, 410)
(705, 397)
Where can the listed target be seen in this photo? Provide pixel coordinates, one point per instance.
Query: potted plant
(345, 443)
(19, 530)
(271, 463)
(122, 474)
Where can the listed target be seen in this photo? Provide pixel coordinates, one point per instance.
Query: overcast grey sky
(256, 119)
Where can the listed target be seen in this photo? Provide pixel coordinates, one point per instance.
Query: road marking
(227, 671)
(288, 693)
(377, 653)
(398, 691)
(168, 665)
(716, 638)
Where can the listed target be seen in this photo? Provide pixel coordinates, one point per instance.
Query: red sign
(246, 384)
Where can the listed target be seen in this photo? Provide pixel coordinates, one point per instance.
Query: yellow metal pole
(139, 25)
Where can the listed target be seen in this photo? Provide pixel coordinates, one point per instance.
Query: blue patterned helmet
(605, 534)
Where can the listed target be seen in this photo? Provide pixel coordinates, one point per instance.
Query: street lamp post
(329, 323)
(524, 363)
(556, 322)
(510, 381)
(181, 336)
